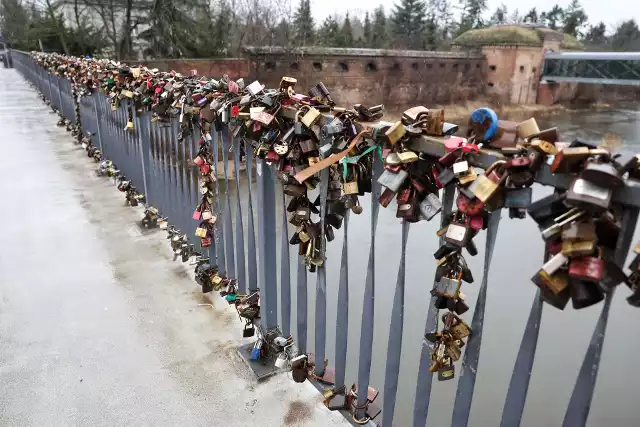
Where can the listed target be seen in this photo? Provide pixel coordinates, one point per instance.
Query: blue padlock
(488, 119)
(255, 351)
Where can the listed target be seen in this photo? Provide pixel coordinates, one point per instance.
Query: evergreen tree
(471, 17)
(303, 23)
(328, 32)
(626, 37)
(220, 37)
(574, 19)
(379, 35)
(409, 18)
(367, 30)
(596, 34)
(499, 17)
(531, 16)
(345, 35)
(283, 33)
(554, 17)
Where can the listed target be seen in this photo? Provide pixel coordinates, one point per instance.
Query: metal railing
(159, 165)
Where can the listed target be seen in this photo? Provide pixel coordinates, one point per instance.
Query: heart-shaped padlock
(281, 148)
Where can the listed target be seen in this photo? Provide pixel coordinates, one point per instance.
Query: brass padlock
(395, 132)
(483, 187)
(311, 117)
(528, 128)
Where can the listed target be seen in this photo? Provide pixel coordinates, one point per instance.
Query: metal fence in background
(159, 166)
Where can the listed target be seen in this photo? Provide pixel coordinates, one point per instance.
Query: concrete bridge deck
(98, 327)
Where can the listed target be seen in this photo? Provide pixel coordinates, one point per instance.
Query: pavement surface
(98, 327)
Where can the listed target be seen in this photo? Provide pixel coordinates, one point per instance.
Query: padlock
(578, 248)
(603, 175)
(458, 232)
(407, 156)
(544, 147)
(568, 159)
(469, 177)
(256, 350)
(449, 285)
(201, 232)
(311, 117)
(588, 268)
(430, 206)
(392, 181)
(484, 187)
(395, 133)
(554, 230)
(528, 128)
(585, 294)
(469, 207)
(460, 330)
(579, 231)
(556, 282)
(518, 197)
(588, 196)
(460, 167)
(281, 360)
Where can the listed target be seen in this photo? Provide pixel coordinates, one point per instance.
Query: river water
(564, 335)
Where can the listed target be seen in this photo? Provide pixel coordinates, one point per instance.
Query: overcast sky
(610, 12)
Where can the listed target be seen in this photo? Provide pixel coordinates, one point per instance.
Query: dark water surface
(564, 335)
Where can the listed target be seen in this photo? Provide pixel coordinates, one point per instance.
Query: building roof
(339, 51)
(518, 35)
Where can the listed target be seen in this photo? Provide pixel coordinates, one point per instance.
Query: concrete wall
(586, 93)
(394, 81)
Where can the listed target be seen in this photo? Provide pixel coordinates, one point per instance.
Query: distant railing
(154, 160)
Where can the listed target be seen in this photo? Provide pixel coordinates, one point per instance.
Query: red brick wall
(393, 81)
(213, 68)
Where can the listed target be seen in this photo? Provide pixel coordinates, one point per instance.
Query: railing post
(228, 229)
(368, 303)
(142, 124)
(101, 141)
(267, 267)
(321, 283)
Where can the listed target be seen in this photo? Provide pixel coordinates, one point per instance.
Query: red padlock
(518, 162)
(453, 143)
(272, 157)
(404, 196)
(198, 161)
(470, 148)
(448, 159)
(205, 242)
(476, 222)
(469, 207)
(235, 110)
(205, 169)
(554, 248)
(435, 173)
(197, 214)
(588, 268)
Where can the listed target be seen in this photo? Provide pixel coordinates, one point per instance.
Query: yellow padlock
(311, 117)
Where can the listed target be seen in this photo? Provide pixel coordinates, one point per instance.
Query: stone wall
(513, 72)
(372, 76)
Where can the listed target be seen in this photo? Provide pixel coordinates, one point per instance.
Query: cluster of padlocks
(341, 152)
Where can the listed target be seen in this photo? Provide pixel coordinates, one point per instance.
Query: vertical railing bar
(252, 259)
(173, 188)
(182, 187)
(162, 163)
(142, 124)
(301, 304)
(228, 230)
(101, 142)
(285, 272)
(241, 270)
(192, 187)
(220, 234)
(368, 305)
(425, 377)
(519, 384)
(342, 314)
(396, 328)
(267, 267)
(321, 283)
(468, 372)
(582, 395)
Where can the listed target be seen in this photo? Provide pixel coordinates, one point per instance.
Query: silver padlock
(430, 206)
(391, 180)
(254, 88)
(460, 168)
(281, 361)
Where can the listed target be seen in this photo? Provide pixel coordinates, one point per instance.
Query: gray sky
(610, 12)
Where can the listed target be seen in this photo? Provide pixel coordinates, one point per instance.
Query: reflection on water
(564, 336)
